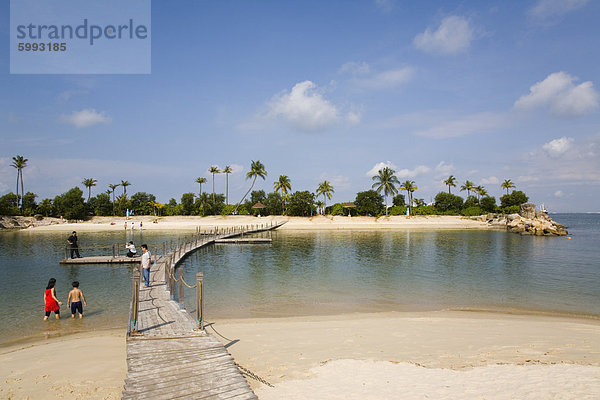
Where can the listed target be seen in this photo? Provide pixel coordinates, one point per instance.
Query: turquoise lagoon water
(320, 272)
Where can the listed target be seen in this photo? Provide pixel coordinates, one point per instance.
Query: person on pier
(145, 263)
(72, 240)
(131, 251)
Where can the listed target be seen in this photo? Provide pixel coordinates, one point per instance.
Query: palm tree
(88, 183)
(320, 205)
(227, 170)
(480, 190)
(283, 185)
(200, 181)
(450, 182)
(326, 190)
(256, 169)
(410, 187)
(386, 181)
(468, 186)
(125, 184)
(507, 184)
(112, 187)
(214, 170)
(19, 162)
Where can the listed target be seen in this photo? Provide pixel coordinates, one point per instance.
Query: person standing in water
(75, 300)
(51, 303)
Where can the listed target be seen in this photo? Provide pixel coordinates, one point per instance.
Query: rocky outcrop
(18, 222)
(531, 222)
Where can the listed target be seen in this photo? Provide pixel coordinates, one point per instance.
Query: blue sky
(482, 90)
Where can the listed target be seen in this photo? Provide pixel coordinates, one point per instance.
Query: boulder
(527, 210)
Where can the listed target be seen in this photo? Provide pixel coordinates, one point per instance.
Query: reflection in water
(318, 272)
(307, 272)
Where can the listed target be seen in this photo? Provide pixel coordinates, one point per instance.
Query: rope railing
(173, 252)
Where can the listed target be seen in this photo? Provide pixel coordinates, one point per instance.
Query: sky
(335, 90)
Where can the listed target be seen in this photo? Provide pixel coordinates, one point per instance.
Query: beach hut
(349, 206)
(259, 206)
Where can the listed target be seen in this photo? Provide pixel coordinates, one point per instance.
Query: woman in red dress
(51, 303)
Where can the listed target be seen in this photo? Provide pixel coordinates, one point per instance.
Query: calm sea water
(320, 272)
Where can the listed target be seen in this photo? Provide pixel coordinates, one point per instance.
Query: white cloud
(561, 95)
(558, 147)
(453, 36)
(578, 164)
(384, 5)
(444, 169)
(235, 168)
(527, 178)
(387, 79)
(339, 182)
(475, 123)
(559, 193)
(353, 118)
(408, 173)
(547, 9)
(492, 180)
(86, 118)
(380, 165)
(306, 109)
(355, 68)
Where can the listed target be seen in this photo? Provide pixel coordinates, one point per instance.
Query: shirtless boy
(75, 299)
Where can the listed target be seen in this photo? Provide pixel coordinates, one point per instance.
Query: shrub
(516, 198)
(397, 210)
(488, 204)
(445, 202)
(369, 202)
(472, 211)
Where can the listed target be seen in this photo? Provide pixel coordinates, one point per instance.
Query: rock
(527, 210)
(530, 222)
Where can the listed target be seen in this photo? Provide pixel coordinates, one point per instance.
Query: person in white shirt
(131, 251)
(145, 263)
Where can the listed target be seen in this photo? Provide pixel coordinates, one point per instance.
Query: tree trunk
(238, 204)
(22, 190)
(18, 173)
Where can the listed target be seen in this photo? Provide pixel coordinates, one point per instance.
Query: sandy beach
(89, 365)
(320, 222)
(446, 354)
(462, 355)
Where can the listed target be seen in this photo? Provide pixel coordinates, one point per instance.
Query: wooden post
(181, 303)
(114, 250)
(136, 300)
(199, 288)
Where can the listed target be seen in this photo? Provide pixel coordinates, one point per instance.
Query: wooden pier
(102, 260)
(244, 240)
(169, 354)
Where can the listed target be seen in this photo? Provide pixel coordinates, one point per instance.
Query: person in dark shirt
(72, 240)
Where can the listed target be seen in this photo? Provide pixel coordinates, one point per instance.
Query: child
(51, 303)
(75, 298)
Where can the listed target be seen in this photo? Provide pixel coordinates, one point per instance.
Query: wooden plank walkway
(102, 260)
(172, 358)
(244, 240)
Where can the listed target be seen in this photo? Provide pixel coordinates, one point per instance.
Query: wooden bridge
(169, 354)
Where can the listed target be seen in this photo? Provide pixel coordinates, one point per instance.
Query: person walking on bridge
(145, 264)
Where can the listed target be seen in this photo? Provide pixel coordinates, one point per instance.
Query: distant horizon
(484, 91)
